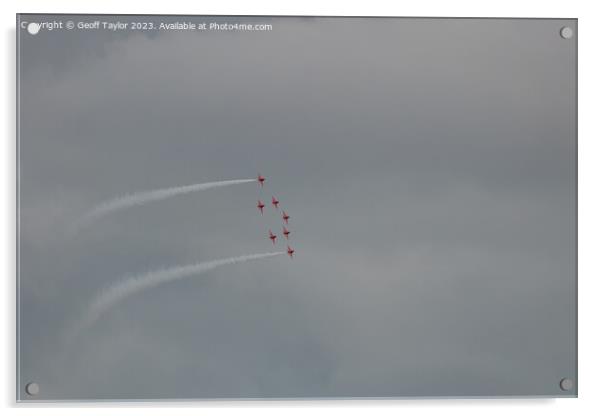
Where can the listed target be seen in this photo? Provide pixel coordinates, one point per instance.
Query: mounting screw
(566, 32)
(566, 384)
(32, 389)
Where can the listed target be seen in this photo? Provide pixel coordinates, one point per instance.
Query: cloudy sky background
(428, 166)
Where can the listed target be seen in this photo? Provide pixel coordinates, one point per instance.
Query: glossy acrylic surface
(427, 167)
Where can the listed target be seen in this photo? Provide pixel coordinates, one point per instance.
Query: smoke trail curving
(140, 198)
(135, 284)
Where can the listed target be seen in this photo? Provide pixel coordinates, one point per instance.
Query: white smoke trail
(132, 285)
(140, 198)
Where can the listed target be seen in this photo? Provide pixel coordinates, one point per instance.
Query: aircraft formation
(285, 217)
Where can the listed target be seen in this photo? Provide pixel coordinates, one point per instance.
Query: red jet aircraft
(285, 232)
(275, 202)
(260, 179)
(272, 237)
(285, 217)
(290, 251)
(260, 205)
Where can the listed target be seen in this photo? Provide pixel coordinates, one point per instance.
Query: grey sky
(428, 166)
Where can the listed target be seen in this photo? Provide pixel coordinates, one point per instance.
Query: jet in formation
(260, 206)
(285, 217)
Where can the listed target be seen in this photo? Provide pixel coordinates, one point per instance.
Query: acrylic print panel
(295, 207)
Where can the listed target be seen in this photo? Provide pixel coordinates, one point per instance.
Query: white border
(590, 175)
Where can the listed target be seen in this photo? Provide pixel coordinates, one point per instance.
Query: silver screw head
(32, 389)
(566, 384)
(566, 32)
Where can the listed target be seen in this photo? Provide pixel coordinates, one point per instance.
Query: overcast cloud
(428, 167)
